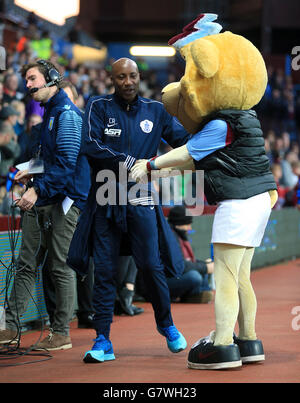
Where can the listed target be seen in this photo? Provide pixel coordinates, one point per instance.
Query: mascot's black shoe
(250, 350)
(205, 355)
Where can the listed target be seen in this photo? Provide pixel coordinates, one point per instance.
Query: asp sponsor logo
(112, 132)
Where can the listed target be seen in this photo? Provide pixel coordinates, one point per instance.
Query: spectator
(278, 111)
(19, 107)
(10, 149)
(10, 115)
(293, 197)
(193, 285)
(74, 79)
(10, 88)
(295, 165)
(22, 41)
(282, 190)
(268, 149)
(286, 141)
(126, 278)
(29, 138)
(70, 90)
(289, 179)
(42, 45)
(295, 148)
(33, 108)
(278, 149)
(270, 140)
(72, 93)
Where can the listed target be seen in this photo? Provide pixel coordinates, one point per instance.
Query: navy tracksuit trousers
(142, 231)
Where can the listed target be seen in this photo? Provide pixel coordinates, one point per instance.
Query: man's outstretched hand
(139, 171)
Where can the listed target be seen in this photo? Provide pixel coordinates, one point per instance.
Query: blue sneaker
(175, 340)
(101, 351)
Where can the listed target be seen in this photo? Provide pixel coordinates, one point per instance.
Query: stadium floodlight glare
(55, 11)
(156, 51)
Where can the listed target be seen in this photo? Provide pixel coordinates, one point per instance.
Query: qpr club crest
(146, 126)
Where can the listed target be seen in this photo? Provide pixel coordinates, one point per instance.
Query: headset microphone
(52, 76)
(36, 89)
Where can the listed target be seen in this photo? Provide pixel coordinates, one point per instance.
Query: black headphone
(52, 76)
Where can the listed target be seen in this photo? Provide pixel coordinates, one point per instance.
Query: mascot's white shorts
(243, 221)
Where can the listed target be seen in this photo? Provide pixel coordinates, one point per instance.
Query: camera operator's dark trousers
(45, 228)
(142, 231)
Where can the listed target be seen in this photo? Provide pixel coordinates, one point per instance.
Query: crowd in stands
(279, 113)
(279, 110)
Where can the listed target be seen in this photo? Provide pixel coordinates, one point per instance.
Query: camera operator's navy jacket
(126, 132)
(66, 171)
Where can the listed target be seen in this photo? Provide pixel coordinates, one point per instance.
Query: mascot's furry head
(223, 71)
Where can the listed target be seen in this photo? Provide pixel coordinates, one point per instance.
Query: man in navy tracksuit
(117, 130)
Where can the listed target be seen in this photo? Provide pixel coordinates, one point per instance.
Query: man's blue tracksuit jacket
(115, 132)
(66, 173)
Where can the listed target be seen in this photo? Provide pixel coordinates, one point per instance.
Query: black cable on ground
(13, 350)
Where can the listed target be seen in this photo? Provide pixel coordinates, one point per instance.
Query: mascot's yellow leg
(235, 298)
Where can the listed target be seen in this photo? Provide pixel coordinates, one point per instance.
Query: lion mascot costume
(225, 76)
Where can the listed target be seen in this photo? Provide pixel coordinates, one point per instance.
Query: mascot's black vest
(241, 169)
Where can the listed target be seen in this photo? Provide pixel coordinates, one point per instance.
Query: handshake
(144, 171)
(139, 172)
